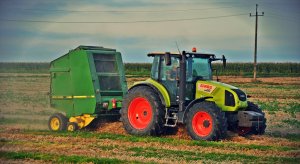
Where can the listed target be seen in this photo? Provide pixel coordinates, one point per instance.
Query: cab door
(169, 78)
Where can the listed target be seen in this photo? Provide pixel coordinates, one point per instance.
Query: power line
(119, 22)
(283, 17)
(123, 11)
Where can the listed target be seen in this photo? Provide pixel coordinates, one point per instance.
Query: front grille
(242, 96)
(229, 99)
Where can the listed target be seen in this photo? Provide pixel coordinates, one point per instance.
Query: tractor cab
(166, 70)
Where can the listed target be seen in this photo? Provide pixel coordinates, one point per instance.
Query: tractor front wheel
(205, 121)
(142, 112)
(57, 122)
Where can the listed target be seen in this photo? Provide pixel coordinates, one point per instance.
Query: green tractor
(181, 91)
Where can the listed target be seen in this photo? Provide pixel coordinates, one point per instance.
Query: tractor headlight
(242, 96)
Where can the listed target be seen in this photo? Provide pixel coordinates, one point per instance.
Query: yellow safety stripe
(83, 97)
(73, 97)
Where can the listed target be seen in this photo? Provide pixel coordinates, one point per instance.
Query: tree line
(144, 69)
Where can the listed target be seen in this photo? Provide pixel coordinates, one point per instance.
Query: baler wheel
(72, 126)
(57, 122)
(206, 121)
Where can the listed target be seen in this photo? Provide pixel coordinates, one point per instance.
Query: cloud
(230, 30)
(232, 35)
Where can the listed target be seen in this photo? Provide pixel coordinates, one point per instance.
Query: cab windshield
(198, 68)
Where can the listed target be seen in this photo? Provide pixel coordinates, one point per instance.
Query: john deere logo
(206, 88)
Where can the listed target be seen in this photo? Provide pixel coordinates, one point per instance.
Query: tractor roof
(176, 54)
(163, 53)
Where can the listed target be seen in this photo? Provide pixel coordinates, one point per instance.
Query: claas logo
(206, 87)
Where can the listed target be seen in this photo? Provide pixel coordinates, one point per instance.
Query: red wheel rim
(140, 113)
(202, 123)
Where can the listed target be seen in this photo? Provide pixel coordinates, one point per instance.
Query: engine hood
(209, 86)
(219, 84)
(219, 93)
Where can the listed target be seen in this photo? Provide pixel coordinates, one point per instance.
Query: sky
(41, 31)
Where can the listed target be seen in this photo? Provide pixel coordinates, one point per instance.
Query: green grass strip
(292, 122)
(59, 158)
(149, 153)
(291, 137)
(148, 139)
(218, 157)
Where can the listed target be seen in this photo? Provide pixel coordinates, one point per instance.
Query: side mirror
(224, 61)
(168, 59)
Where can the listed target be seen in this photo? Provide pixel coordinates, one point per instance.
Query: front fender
(182, 115)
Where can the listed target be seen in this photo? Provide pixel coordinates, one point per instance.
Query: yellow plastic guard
(82, 121)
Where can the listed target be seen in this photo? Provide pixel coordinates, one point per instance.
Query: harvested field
(24, 138)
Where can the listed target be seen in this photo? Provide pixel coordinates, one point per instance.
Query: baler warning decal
(206, 88)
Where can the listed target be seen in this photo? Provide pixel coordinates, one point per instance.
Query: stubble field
(24, 137)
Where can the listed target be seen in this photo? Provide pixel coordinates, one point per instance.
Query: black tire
(232, 121)
(214, 122)
(261, 130)
(153, 124)
(171, 130)
(72, 126)
(57, 122)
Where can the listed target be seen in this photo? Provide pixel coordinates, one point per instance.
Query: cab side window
(154, 69)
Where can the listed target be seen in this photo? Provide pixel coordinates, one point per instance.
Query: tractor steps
(171, 118)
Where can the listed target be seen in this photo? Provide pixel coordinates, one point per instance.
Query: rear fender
(158, 88)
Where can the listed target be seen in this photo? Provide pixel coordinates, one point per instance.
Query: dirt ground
(24, 111)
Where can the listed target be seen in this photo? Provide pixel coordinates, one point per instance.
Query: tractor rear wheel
(57, 122)
(253, 130)
(142, 112)
(206, 121)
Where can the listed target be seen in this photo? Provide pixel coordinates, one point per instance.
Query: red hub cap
(139, 113)
(202, 124)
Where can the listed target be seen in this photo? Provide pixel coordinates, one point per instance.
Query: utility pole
(255, 47)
